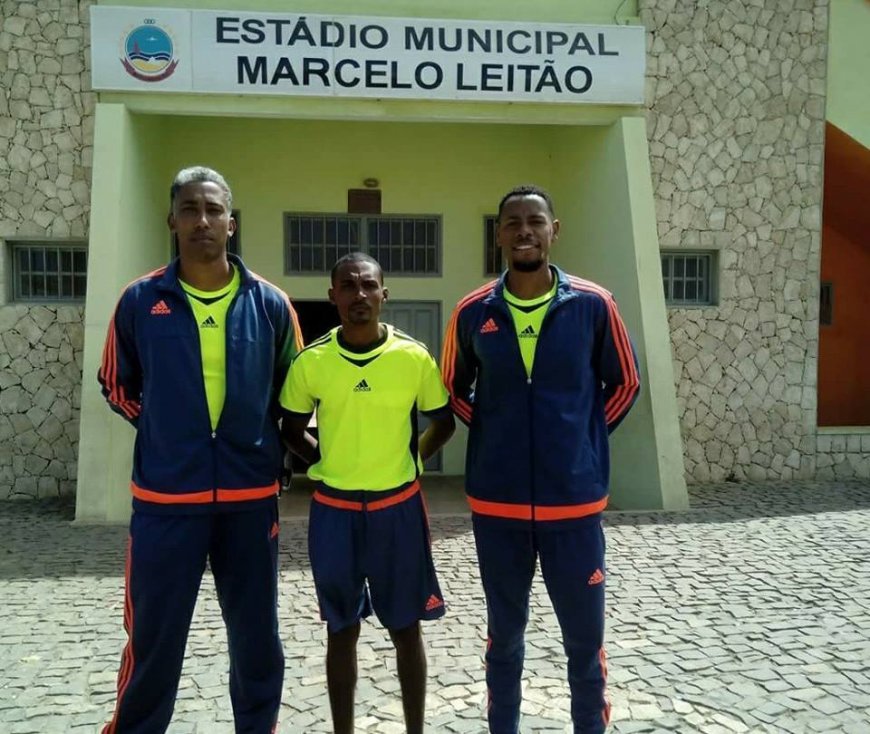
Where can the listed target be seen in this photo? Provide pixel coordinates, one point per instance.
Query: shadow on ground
(69, 549)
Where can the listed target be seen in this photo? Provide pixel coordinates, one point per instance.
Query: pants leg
(165, 562)
(506, 558)
(244, 561)
(572, 564)
(398, 564)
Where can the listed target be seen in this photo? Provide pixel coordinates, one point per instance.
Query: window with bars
(688, 278)
(492, 258)
(402, 244)
(49, 272)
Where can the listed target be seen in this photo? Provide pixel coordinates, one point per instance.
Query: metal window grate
(493, 264)
(313, 242)
(687, 278)
(49, 272)
(402, 244)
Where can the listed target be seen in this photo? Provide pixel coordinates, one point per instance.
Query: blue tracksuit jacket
(151, 374)
(537, 446)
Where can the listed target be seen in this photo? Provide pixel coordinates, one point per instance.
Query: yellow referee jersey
(366, 406)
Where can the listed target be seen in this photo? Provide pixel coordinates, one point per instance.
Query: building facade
(732, 145)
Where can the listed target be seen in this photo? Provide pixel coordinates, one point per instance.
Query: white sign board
(239, 52)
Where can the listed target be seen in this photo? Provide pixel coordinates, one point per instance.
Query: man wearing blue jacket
(540, 367)
(195, 357)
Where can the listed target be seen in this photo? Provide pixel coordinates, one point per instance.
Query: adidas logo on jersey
(362, 386)
(528, 333)
(160, 309)
(209, 323)
(489, 327)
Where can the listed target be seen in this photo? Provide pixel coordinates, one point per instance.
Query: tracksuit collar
(563, 287)
(169, 280)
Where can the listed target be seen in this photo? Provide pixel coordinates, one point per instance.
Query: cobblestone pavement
(748, 613)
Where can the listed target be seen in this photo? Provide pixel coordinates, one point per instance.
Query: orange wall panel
(844, 346)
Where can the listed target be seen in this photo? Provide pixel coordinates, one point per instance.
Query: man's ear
(556, 227)
(331, 294)
(170, 222)
(231, 227)
(386, 293)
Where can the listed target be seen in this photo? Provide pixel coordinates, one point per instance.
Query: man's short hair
(355, 257)
(199, 174)
(527, 190)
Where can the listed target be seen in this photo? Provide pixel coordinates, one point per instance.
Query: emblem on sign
(149, 53)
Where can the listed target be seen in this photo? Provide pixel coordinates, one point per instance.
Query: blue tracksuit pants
(165, 561)
(572, 565)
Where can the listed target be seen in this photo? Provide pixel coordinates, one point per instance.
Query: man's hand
(298, 439)
(436, 435)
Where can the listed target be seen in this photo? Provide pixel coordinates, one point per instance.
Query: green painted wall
(849, 68)
(126, 240)
(273, 166)
(608, 235)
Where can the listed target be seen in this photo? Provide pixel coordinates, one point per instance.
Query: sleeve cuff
(444, 410)
(296, 414)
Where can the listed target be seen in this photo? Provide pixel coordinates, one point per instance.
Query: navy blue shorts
(372, 551)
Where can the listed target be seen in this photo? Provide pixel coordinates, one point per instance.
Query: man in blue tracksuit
(540, 367)
(195, 357)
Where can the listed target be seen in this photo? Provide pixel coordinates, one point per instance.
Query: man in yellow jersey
(368, 535)
(195, 356)
(540, 367)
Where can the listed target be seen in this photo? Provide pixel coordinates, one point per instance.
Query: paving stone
(66, 582)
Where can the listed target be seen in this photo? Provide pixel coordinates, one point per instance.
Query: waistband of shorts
(362, 500)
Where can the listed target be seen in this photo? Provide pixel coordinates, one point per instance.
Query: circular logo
(148, 53)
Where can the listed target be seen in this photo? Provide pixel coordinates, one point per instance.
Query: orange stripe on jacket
(448, 369)
(448, 359)
(624, 393)
(242, 495)
(204, 496)
(109, 373)
(294, 319)
(109, 367)
(516, 511)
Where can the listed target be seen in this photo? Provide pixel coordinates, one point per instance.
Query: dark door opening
(315, 318)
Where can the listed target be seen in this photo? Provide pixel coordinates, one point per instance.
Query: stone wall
(842, 455)
(46, 139)
(40, 390)
(736, 95)
(46, 118)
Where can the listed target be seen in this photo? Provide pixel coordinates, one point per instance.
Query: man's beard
(528, 266)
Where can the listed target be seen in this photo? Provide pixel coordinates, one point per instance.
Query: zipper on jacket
(212, 432)
(554, 304)
(531, 445)
(227, 335)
